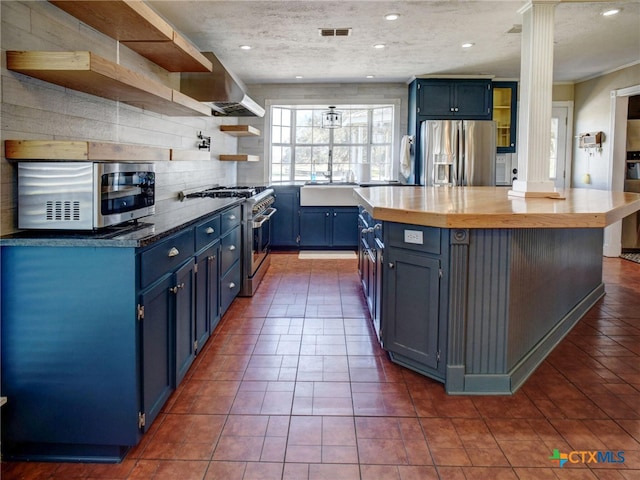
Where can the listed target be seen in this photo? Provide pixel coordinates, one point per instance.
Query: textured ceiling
(426, 39)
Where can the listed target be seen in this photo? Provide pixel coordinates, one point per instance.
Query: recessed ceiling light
(370, 76)
(245, 47)
(392, 16)
(610, 12)
(299, 76)
(468, 45)
(379, 45)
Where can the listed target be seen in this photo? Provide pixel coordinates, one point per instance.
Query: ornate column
(534, 112)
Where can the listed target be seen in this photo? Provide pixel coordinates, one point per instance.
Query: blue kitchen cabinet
(71, 352)
(95, 338)
(207, 293)
(463, 99)
(329, 227)
(315, 227)
(344, 227)
(155, 319)
(414, 300)
(285, 230)
(183, 290)
(230, 248)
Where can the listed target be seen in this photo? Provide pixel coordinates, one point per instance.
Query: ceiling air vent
(334, 32)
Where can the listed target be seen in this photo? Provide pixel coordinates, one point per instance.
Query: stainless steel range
(256, 230)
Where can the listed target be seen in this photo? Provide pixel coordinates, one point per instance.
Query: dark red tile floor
(293, 386)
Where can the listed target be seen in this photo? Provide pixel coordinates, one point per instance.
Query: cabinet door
(156, 362)
(473, 100)
(183, 290)
(411, 306)
(315, 227)
(505, 96)
(435, 99)
(345, 227)
(207, 293)
(285, 224)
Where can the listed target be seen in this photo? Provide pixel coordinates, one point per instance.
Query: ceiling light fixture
(379, 46)
(299, 76)
(245, 47)
(392, 16)
(331, 118)
(611, 12)
(370, 76)
(468, 45)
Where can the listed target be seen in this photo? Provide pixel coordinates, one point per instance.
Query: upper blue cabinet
(505, 97)
(464, 99)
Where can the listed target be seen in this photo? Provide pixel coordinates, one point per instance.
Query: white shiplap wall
(33, 109)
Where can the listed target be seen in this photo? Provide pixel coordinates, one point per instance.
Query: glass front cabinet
(505, 97)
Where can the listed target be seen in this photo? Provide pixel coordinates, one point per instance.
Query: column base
(526, 189)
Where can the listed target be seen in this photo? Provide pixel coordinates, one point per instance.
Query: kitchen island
(478, 287)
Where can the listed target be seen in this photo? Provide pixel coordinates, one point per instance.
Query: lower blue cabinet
(95, 339)
(329, 227)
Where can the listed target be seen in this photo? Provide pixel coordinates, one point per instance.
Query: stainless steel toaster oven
(83, 195)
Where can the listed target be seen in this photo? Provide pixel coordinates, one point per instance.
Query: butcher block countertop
(491, 207)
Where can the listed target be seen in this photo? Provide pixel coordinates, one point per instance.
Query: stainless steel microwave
(83, 195)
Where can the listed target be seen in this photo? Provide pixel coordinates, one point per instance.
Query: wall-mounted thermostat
(591, 140)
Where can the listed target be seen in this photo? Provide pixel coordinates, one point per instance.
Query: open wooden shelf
(239, 158)
(87, 72)
(71, 150)
(240, 130)
(134, 24)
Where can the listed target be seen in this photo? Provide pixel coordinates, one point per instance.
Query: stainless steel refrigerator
(457, 152)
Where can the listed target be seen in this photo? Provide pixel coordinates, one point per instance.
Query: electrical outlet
(413, 236)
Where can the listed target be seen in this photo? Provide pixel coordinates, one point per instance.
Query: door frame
(617, 161)
(568, 140)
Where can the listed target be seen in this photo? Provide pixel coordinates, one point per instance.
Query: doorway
(560, 157)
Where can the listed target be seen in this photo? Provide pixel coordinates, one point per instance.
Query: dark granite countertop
(141, 234)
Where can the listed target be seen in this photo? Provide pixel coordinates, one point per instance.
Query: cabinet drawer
(229, 249)
(413, 237)
(229, 287)
(165, 257)
(229, 219)
(207, 232)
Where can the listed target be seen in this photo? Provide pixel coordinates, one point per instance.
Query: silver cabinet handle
(232, 248)
(391, 265)
(212, 257)
(456, 109)
(232, 217)
(174, 252)
(327, 214)
(176, 288)
(231, 285)
(209, 230)
(451, 109)
(335, 214)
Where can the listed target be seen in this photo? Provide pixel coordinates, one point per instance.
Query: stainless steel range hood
(221, 90)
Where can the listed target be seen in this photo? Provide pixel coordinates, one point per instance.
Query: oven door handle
(271, 211)
(262, 219)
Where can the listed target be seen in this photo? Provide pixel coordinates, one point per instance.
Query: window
(302, 150)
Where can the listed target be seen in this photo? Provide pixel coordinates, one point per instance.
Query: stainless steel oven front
(257, 214)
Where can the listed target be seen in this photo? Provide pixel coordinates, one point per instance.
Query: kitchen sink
(328, 195)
